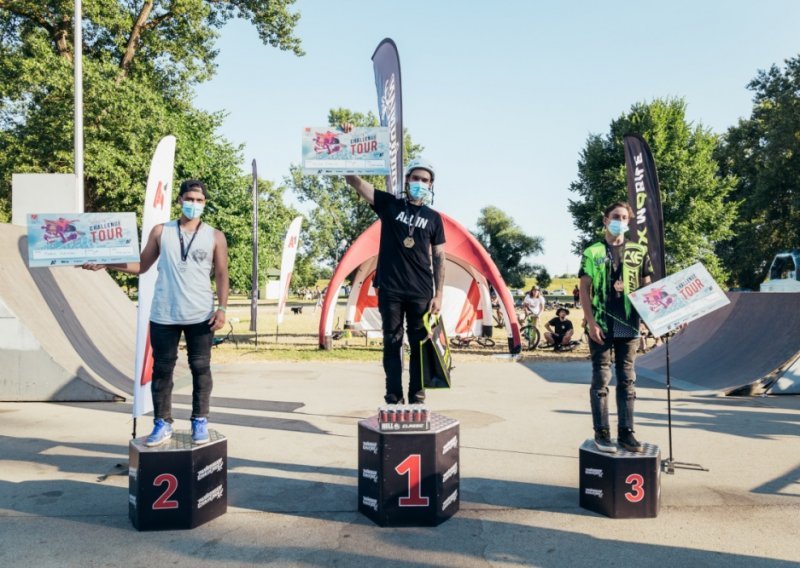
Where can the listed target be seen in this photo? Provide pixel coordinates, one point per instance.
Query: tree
(696, 214)
(141, 61)
(761, 152)
(543, 279)
(339, 215)
(508, 245)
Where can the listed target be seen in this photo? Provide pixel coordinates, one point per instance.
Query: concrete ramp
(66, 334)
(744, 347)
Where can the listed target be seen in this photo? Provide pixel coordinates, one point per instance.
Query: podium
(177, 485)
(625, 485)
(408, 478)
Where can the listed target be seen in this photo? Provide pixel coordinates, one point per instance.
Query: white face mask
(192, 210)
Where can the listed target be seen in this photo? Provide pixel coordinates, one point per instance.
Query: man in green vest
(610, 270)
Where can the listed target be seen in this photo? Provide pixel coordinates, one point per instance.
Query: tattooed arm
(438, 278)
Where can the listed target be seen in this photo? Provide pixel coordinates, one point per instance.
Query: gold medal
(408, 242)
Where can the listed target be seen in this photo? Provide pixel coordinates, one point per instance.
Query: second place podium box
(409, 477)
(177, 485)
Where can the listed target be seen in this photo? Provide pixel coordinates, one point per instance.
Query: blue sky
(503, 95)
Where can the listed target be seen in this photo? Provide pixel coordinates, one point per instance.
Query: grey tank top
(183, 292)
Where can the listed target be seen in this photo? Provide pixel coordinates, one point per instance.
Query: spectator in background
(533, 305)
(576, 296)
(559, 329)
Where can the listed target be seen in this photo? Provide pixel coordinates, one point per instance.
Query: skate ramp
(751, 342)
(66, 334)
(788, 382)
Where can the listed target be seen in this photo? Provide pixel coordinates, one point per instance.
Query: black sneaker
(393, 399)
(418, 398)
(628, 442)
(602, 439)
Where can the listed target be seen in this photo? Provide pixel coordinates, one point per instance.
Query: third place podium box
(177, 485)
(408, 478)
(624, 485)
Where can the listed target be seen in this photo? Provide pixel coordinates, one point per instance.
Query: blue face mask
(419, 191)
(617, 227)
(192, 210)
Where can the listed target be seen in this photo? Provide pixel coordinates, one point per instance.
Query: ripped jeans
(395, 308)
(624, 358)
(164, 341)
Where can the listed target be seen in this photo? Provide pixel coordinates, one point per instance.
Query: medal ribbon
(185, 253)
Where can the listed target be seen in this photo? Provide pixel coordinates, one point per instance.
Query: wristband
(222, 309)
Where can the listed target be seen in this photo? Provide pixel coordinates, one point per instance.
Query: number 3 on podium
(636, 482)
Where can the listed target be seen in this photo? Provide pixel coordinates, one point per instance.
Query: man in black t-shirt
(410, 273)
(559, 329)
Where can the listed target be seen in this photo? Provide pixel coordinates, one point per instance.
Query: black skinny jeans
(164, 341)
(394, 309)
(624, 358)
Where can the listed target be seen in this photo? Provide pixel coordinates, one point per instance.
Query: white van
(784, 273)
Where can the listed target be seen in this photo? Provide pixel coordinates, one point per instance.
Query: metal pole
(78, 118)
(669, 465)
(669, 401)
(254, 281)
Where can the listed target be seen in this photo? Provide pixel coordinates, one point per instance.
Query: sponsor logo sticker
(451, 444)
(595, 492)
(370, 502)
(594, 471)
(370, 474)
(450, 472)
(213, 467)
(450, 500)
(215, 493)
(370, 447)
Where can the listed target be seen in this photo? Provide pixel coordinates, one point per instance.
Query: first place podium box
(408, 478)
(177, 485)
(624, 485)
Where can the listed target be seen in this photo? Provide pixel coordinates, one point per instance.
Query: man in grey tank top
(188, 252)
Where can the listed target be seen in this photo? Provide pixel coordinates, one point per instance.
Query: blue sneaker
(162, 431)
(200, 430)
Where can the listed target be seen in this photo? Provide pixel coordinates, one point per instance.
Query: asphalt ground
(292, 477)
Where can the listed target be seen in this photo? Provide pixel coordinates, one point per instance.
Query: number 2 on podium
(412, 466)
(164, 501)
(636, 481)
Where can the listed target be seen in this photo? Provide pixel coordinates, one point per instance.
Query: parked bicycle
(530, 334)
(227, 337)
(563, 347)
(464, 341)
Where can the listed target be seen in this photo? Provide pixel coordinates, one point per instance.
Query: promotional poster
(678, 299)
(70, 239)
(329, 151)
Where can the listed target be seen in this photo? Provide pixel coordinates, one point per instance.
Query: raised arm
(363, 188)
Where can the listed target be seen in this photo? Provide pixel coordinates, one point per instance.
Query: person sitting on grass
(559, 329)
